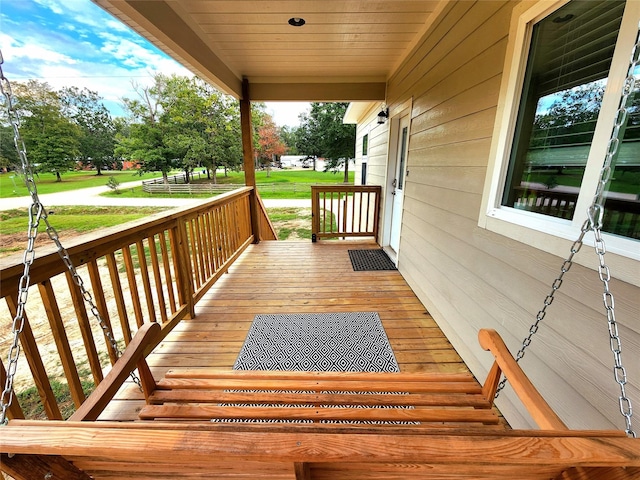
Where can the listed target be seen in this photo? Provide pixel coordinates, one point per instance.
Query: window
(365, 145)
(559, 115)
(363, 175)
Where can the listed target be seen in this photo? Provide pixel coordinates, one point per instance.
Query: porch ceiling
(346, 50)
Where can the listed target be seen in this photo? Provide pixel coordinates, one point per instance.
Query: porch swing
(444, 424)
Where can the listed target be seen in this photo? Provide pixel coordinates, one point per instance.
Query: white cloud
(82, 11)
(25, 51)
(115, 25)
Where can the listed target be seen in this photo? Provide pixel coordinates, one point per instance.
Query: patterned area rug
(339, 342)
(372, 259)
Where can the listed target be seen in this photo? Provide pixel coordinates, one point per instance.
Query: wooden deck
(295, 277)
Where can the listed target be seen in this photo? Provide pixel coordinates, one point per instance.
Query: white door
(398, 182)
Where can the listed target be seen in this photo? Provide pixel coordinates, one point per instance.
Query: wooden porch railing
(153, 271)
(345, 211)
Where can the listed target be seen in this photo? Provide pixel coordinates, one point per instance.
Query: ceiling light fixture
(296, 21)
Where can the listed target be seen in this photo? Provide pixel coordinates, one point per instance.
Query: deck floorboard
(295, 277)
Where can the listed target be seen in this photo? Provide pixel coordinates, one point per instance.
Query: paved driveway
(91, 196)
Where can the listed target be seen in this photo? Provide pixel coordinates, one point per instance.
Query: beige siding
(470, 278)
(377, 153)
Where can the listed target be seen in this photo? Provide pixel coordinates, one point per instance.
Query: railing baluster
(116, 285)
(166, 266)
(193, 248)
(216, 238)
(155, 266)
(226, 234)
(211, 268)
(146, 285)
(101, 304)
(197, 228)
(353, 213)
(133, 284)
(62, 342)
(85, 329)
(187, 275)
(38, 371)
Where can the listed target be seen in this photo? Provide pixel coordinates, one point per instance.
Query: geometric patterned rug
(371, 259)
(338, 342)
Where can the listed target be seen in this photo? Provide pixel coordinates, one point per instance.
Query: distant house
(130, 165)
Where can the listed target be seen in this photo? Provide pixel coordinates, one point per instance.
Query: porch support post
(247, 152)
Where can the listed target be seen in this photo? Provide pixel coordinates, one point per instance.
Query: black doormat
(369, 260)
(326, 342)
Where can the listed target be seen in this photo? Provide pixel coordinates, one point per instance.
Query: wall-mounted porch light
(296, 21)
(383, 115)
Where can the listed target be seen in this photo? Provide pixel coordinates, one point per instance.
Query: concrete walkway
(91, 196)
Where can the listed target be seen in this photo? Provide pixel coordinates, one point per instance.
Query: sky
(76, 43)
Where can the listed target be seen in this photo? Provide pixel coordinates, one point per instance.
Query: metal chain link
(595, 216)
(37, 213)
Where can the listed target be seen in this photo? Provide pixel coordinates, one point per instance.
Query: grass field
(293, 184)
(12, 184)
(68, 221)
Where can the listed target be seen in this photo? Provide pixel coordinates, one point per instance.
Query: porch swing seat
(303, 425)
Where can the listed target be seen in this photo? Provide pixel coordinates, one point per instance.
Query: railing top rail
(346, 188)
(86, 247)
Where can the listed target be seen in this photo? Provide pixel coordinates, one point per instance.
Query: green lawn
(293, 184)
(279, 176)
(69, 220)
(12, 184)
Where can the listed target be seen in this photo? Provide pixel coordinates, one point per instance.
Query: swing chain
(593, 223)
(37, 213)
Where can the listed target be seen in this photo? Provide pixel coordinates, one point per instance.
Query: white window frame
(544, 232)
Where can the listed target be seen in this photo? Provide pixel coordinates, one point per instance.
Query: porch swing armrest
(132, 357)
(537, 406)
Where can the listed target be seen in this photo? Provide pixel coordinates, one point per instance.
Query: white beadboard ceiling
(346, 50)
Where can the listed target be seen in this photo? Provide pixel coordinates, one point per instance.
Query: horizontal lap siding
(377, 157)
(470, 278)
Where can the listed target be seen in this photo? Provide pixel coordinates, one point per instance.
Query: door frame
(395, 114)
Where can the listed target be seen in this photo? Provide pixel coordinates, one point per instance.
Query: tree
(184, 120)
(322, 134)
(289, 138)
(181, 121)
(51, 139)
(145, 141)
(8, 154)
(224, 133)
(97, 140)
(270, 145)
